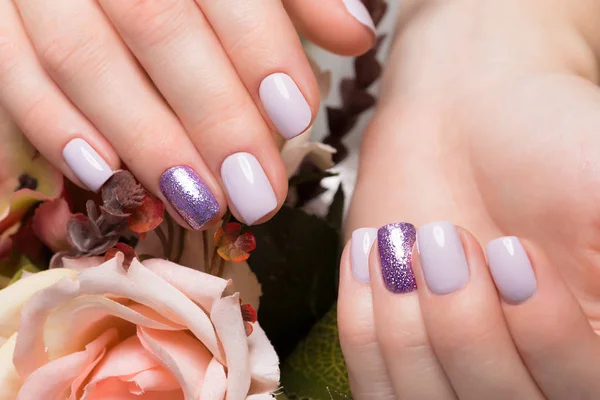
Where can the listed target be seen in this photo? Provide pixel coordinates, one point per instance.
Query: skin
(489, 119)
(155, 84)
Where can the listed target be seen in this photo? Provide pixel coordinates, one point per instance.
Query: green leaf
(335, 215)
(316, 369)
(296, 261)
(25, 267)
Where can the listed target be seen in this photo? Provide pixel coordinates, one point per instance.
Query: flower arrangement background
(91, 280)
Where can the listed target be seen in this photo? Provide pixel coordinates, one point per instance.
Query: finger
(554, 337)
(52, 124)
(171, 39)
(266, 52)
(341, 26)
(85, 56)
(463, 317)
(367, 372)
(412, 364)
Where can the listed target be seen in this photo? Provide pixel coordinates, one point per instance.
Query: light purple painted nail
(248, 187)
(395, 243)
(189, 195)
(358, 10)
(442, 257)
(360, 248)
(86, 164)
(511, 269)
(284, 103)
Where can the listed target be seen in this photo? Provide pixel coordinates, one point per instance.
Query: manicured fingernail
(286, 106)
(189, 196)
(511, 269)
(442, 257)
(86, 164)
(395, 243)
(358, 10)
(362, 240)
(248, 187)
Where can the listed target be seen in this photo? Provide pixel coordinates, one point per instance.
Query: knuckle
(155, 21)
(356, 333)
(65, 55)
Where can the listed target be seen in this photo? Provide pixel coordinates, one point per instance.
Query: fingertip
(343, 27)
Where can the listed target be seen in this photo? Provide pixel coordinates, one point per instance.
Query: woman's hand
(186, 93)
(489, 119)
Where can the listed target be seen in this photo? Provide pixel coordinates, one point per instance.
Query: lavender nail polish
(186, 192)
(395, 243)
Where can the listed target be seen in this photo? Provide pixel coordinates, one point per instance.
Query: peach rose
(153, 331)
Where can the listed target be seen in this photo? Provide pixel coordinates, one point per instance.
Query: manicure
(511, 269)
(86, 164)
(360, 247)
(395, 243)
(358, 10)
(189, 196)
(442, 257)
(285, 105)
(248, 187)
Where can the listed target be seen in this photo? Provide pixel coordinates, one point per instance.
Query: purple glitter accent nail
(395, 243)
(189, 196)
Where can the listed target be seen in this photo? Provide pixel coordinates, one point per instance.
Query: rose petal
(183, 355)
(264, 362)
(30, 351)
(215, 382)
(11, 382)
(70, 324)
(114, 389)
(50, 224)
(53, 379)
(243, 281)
(128, 358)
(155, 379)
(13, 297)
(201, 287)
(79, 264)
(227, 319)
(145, 287)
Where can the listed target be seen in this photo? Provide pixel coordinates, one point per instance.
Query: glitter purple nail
(395, 242)
(186, 192)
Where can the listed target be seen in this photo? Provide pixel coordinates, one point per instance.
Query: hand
(489, 120)
(186, 93)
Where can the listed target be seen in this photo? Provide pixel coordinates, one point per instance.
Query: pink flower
(154, 331)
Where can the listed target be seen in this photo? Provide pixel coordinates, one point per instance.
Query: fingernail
(86, 164)
(395, 243)
(248, 187)
(189, 196)
(286, 106)
(511, 269)
(362, 241)
(442, 257)
(358, 10)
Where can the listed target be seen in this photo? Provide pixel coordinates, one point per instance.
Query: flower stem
(205, 248)
(171, 233)
(180, 245)
(217, 262)
(163, 240)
